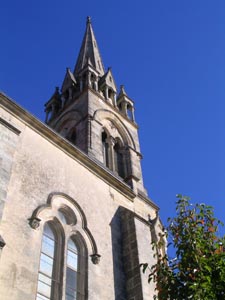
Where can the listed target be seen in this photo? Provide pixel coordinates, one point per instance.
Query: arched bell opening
(119, 159)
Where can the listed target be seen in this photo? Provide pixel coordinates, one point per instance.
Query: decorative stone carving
(34, 222)
(2, 243)
(151, 221)
(95, 258)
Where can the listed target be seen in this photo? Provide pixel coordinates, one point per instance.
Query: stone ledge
(147, 200)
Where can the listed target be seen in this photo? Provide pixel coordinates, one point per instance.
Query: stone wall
(9, 136)
(39, 162)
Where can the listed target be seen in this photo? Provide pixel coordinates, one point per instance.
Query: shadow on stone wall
(126, 269)
(117, 251)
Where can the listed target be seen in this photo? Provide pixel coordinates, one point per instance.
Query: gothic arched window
(119, 160)
(93, 82)
(71, 270)
(114, 154)
(129, 112)
(105, 149)
(110, 94)
(47, 274)
(72, 136)
(63, 260)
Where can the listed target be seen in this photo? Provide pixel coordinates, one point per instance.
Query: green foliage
(198, 270)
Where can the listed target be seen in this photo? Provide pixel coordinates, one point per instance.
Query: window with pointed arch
(113, 154)
(111, 94)
(129, 112)
(63, 261)
(72, 136)
(119, 163)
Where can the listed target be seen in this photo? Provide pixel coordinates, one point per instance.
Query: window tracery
(65, 240)
(54, 250)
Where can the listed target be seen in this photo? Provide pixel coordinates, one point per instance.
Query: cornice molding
(147, 200)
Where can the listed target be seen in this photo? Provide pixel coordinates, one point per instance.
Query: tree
(198, 269)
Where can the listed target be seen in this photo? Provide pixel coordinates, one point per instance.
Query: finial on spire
(122, 90)
(89, 49)
(88, 20)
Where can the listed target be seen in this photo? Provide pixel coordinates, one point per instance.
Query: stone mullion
(111, 143)
(106, 92)
(132, 112)
(114, 99)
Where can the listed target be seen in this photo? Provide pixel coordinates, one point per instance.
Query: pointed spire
(68, 81)
(89, 52)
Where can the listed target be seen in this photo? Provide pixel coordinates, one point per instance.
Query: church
(75, 218)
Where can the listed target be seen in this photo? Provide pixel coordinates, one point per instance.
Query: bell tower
(85, 219)
(94, 116)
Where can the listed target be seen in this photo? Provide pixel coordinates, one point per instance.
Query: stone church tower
(91, 116)
(76, 220)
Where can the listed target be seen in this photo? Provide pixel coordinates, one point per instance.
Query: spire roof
(89, 52)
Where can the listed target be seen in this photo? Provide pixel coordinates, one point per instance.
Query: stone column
(89, 79)
(111, 143)
(132, 112)
(46, 117)
(124, 108)
(114, 99)
(106, 92)
(96, 85)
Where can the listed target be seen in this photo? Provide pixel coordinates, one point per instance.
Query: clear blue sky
(170, 55)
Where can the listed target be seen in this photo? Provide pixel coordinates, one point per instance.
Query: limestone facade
(81, 174)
